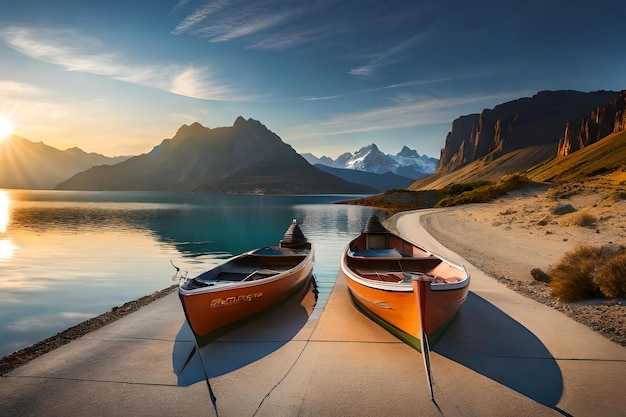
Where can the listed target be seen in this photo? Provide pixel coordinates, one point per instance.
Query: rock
(563, 209)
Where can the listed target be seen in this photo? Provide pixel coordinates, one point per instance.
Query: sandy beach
(510, 236)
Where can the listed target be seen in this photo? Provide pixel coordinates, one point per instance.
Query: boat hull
(213, 310)
(393, 303)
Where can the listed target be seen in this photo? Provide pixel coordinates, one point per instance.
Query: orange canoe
(380, 269)
(245, 285)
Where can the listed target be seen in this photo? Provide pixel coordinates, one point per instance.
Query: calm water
(68, 256)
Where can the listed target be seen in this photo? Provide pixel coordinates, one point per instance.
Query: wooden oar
(206, 378)
(421, 284)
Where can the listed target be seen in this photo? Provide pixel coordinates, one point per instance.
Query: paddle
(196, 349)
(206, 377)
(421, 284)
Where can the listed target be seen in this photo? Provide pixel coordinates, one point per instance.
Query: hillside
(37, 166)
(603, 161)
(491, 167)
(606, 157)
(244, 158)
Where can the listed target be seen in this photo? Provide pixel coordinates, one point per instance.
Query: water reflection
(82, 253)
(5, 203)
(7, 249)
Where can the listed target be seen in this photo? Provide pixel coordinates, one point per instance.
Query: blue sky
(328, 76)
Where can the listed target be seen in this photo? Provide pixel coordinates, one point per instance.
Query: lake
(67, 256)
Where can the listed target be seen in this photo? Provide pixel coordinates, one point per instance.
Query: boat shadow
(488, 341)
(256, 338)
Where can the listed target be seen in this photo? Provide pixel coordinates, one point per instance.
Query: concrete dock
(505, 355)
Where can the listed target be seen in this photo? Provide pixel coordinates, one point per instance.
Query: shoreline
(505, 239)
(25, 355)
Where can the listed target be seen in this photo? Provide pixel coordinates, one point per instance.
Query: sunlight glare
(6, 128)
(5, 203)
(7, 249)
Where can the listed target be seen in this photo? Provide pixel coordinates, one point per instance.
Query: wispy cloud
(407, 113)
(388, 56)
(225, 20)
(249, 25)
(402, 85)
(193, 20)
(75, 51)
(13, 88)
(290, 38)
(269, 24)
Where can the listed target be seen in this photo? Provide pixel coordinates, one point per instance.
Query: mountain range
(247, 157)
(28, 165)
(406, 163)
(244, 158)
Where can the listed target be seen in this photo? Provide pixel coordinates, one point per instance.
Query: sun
(6, 128)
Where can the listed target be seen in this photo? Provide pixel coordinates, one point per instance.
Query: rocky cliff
(537, 120)
(604, 120)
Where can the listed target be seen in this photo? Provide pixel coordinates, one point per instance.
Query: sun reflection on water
(7, 249)
(4, 210)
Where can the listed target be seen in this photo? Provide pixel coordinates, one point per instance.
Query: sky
(117, 77)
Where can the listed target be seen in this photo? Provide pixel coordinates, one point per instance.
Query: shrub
(611, 277)
(610, 250)
(480, 191)
(572, 278)
(582, 219)
(539, 275)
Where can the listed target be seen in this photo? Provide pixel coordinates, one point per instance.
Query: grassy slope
(492, 167)
(605, 160)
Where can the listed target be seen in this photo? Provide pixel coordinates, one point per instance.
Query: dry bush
(572, 278)
(539, 275)
(611, 277)
(507, 212)
(481, 191)
(582, 219)
(565, 191)
(611, 249)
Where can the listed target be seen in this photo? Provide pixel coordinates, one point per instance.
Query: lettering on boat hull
(244, 298)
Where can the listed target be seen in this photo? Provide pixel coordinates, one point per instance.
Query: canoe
(385, 272)
(245, 285)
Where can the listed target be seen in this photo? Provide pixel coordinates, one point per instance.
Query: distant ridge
(406, 163)
(34, 165)
(382, 182)
(244, 158)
